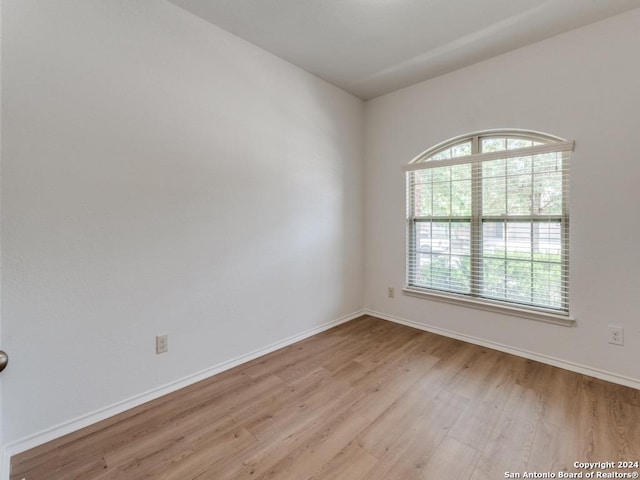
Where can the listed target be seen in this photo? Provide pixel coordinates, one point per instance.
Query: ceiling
(373, 47)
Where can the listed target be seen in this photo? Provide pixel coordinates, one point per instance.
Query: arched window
(488, 221)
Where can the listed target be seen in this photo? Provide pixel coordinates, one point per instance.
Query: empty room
(297, 239)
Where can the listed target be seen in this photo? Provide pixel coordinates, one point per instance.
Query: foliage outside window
(488, 218)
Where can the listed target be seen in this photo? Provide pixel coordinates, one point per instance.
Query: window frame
(475, 298)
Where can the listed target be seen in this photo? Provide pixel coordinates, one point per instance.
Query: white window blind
(488, 218)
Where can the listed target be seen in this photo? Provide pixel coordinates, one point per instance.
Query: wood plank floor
(366, 400)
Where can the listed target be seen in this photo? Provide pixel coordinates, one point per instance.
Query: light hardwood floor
(366, 400)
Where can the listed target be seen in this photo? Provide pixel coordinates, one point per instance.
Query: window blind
(488, 218)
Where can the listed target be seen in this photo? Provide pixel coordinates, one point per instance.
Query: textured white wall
(582, 85)
(161, 176)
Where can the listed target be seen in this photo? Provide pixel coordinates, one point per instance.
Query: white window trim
(421, 162)
(491, 306)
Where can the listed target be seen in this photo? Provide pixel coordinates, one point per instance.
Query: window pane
(440, 235)
(547, 285)
(443, 255)
(547, 241)
(461, 172)
(493, 273)
(494, 168)
(422, 249)
(513, 143)
(422, 198)
(461, 198)
(440, 278)
(493, 239)
(461, 150)
(518, 284)
(519, 165)
(547, 162)
(421, 176)
(448, 272)
(443, 155)
(547, 265)
(460, 273)
(441, 174)
(518, 244)
(493, 144)
(547, 194)
(422, 238)
(461, 238)
(494, 196)
(460, 245)
(519, 195)
(442, 199)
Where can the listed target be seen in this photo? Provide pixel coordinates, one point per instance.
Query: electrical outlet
(616, 335)
(162, 343)
(391, 292)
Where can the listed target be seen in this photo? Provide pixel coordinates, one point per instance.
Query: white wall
(161, 176)
(582, 85)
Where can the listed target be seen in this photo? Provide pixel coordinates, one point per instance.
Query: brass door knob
(4, 360)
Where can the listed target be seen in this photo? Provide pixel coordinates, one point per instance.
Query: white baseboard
(13, 448)
(556, 362)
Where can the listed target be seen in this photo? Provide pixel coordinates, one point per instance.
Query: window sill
(539, 315)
